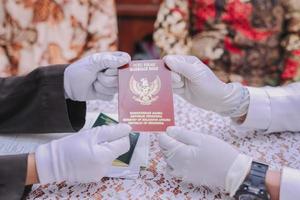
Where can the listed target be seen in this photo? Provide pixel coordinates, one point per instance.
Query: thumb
(113, 132)
(119, 146)
(185, 136)
(168, 145)
(188, 66)
(105, 60)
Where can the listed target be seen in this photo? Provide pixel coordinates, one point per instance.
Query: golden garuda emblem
(145, 92)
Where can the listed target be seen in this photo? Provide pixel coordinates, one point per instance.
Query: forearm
(32, 175)
(273, 179)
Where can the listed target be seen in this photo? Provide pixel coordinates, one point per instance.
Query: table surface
(277, 149)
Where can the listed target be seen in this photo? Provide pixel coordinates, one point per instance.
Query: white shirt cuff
(290, 184)
(259, 111)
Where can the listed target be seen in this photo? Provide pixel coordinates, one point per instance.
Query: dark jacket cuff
(77, 112)
(73, 115)
(60, 114)
(13, 171)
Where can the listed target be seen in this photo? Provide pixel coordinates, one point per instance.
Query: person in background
(40, 33)
(52, 99)
(255, 42)
(204, 159)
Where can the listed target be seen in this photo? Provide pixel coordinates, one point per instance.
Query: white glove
(95, 76)
(203, 159)
(83, 157)
(196, 83)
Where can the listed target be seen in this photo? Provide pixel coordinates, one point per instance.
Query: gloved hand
(196, 83)
(95, 76)
(203, 159)
(83, 157)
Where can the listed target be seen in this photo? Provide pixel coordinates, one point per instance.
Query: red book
(145, 96)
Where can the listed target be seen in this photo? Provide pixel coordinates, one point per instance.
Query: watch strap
(254, 184)
(257, 174)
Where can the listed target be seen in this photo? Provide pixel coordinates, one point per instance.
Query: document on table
(27, 143)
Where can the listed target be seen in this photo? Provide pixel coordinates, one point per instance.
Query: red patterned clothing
(256, 42)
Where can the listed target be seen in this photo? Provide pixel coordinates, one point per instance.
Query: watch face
(248, 197)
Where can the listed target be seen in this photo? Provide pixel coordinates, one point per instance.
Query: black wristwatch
(254, 187)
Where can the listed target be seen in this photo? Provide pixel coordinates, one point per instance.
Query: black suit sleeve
(36, 104)
(12, 176)
(33, 104)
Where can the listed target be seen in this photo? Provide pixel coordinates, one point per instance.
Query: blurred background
(254, 42)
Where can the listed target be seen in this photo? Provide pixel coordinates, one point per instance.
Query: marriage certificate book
(145, 95)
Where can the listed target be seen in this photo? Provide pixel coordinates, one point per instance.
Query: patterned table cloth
(277, 149)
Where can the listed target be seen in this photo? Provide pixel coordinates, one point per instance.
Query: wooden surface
(135, 21)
